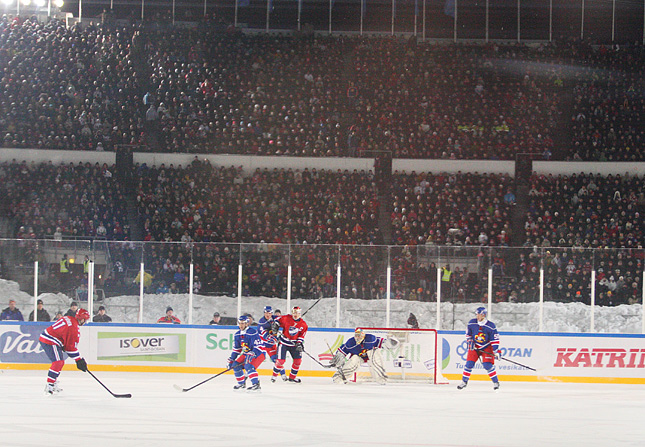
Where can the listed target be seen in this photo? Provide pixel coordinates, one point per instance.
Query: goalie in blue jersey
(362, 348)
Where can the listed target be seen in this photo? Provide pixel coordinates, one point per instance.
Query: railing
(603, 22)
(440, 282)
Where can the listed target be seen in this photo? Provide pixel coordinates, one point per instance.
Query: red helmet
(82, 314)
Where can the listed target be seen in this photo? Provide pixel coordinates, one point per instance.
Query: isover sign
(141, 346)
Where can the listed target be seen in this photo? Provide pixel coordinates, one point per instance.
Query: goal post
(416, 358)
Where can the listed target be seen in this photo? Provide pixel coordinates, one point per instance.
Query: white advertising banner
(554, 356)
(558, 356)
(137, 345)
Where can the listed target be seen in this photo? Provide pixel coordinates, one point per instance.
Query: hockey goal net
(417, 357)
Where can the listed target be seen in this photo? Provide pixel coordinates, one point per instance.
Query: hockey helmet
(481, 311)
(82, 314)
(359, 335)
(296, 312)
(268, 309)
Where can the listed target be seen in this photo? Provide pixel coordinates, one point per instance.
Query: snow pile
(509, 317)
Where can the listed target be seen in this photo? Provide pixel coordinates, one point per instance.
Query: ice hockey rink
(313, 413)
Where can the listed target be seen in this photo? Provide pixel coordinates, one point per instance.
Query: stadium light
(39, 3)
(59, 3)
(25, 2)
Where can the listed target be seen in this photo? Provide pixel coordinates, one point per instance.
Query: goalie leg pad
(377, 368)
(337, 377)
(351, 365)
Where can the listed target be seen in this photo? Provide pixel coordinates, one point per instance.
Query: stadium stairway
(136, 226)
(562, 134)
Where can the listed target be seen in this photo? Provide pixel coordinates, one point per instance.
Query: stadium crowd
(208, 91)
(314, 219)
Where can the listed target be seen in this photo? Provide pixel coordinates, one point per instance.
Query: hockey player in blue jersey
(247, 355)
(483, 343)
(363, 348)
(267, 328)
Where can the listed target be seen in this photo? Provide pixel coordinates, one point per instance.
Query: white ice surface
(313, 413)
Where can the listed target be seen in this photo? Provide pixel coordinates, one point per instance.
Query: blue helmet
(268, 309)
(244, 319)
(481, 311)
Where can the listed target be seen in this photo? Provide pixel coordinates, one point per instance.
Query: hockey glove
(390, 343)
(81, 364)
(229, 363)
(300, 346)
(275, 327)
(498, 355)
(338, 361)
(470, 345)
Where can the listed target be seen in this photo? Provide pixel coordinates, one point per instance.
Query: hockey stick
(311, 307)
(338, 368)
(316, 360)
(183, 390)
(108, 390)
(510, 361)
(518, 364)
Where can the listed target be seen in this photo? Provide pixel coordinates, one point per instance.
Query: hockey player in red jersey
(63, 337)
(292, 329)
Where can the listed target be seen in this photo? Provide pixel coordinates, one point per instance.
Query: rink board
(592, 358)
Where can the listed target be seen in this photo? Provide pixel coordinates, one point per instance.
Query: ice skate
(240, 386)
(462, 385)
(496, 386)
(294, 380)
(254, 388)
(52, 388)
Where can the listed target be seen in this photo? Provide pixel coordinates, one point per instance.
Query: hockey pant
(282, 356)
(56, 355)
(488, 361)
(374, 362)
(245, 367)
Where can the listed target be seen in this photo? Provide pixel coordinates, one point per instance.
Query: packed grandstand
(103, 87)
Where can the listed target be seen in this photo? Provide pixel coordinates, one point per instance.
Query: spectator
(169, 317)
(162, 288)
(42, 314)
(216, 319)
(81, 292)
(11, 313)
(101, 316)
(147, 280)
(58, 316)
(71, 312)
